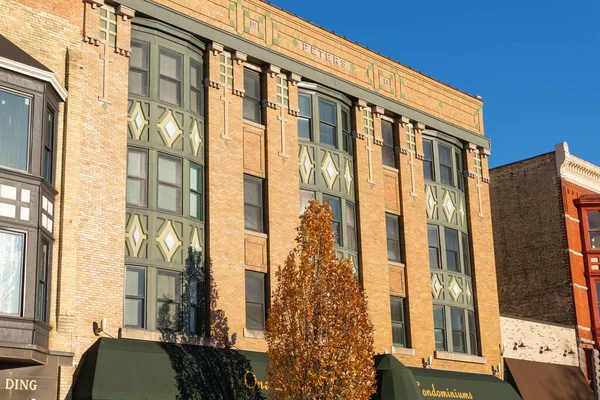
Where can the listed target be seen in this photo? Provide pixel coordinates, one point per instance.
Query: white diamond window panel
(8, 192)
(137, 121)
(195, 242)
(430, 201)
(195, 137)
(448, 206)
(455, 289)
(169, 128)
(168, 240)
(436, 286)
(136, 235)
(462, 212)
(330, 171)
(25, 196)
(306, 164)
(468, 293)
(348, 178)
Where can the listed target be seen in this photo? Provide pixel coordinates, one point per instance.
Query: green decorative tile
(370, 81)
(232, 7)
(246, 13)
(274, 25)
(381, 86)
(239, 2)
(394, 92)
(261, 19)
(440, 105)
(232, 23)
(295, 42)
(261, 35)
(247, 29)
(403, 95)
(352, 67)
(276, 42)
(278, 35)
(268, 14)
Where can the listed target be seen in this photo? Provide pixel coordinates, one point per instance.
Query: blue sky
(535, 63)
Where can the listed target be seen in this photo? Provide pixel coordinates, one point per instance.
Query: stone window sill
(446, 355)
(391, 169)
(403, 351)
(254, 334)
(256, 234)
(254, 124)
(396, 264)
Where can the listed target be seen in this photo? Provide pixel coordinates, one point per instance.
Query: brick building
(165, 125)
(545, 221)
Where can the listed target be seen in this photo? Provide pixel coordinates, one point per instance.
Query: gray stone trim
(403, 351)
(254, 334)
(229, 40)
(446, 355)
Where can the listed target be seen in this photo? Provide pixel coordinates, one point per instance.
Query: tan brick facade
(88, 265)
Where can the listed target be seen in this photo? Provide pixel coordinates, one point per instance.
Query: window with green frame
(448, 249)
(442, 163)
(326, 120)
(196, 190)
(455, 330)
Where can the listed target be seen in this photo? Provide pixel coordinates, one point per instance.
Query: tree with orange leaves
(319, 337)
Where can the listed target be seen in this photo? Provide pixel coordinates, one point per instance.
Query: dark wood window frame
(254, 300)
(252, 101)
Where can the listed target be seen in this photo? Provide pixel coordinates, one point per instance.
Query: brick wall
(529, 240)
(91, 169)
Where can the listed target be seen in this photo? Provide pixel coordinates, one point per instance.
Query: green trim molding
(175, 18)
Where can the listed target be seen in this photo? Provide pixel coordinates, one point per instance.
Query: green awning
(394, 380)
(123, 369)
(438, 384)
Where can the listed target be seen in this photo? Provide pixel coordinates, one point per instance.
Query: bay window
(12, 258)
(15, 110)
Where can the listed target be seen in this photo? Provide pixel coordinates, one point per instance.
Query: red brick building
(546, 223)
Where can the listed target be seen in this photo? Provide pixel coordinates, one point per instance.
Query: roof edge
(576, 170)
(36, 73)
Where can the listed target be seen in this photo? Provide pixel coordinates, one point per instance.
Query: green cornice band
(175, 18)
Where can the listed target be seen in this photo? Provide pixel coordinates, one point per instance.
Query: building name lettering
(445, 393)
(20, 384)
(315, 51)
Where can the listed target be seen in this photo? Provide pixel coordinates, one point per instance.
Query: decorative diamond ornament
(455, 289)
(168, 241)
(462, 213)
(330, 172)
(195, 137)
(135, 236)
(448, 206)
(436, 286)
(348, 177)
(137, 121)
(195, 241)
(468, 293)
(169, 128)
(306, 164)
(430, 202)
